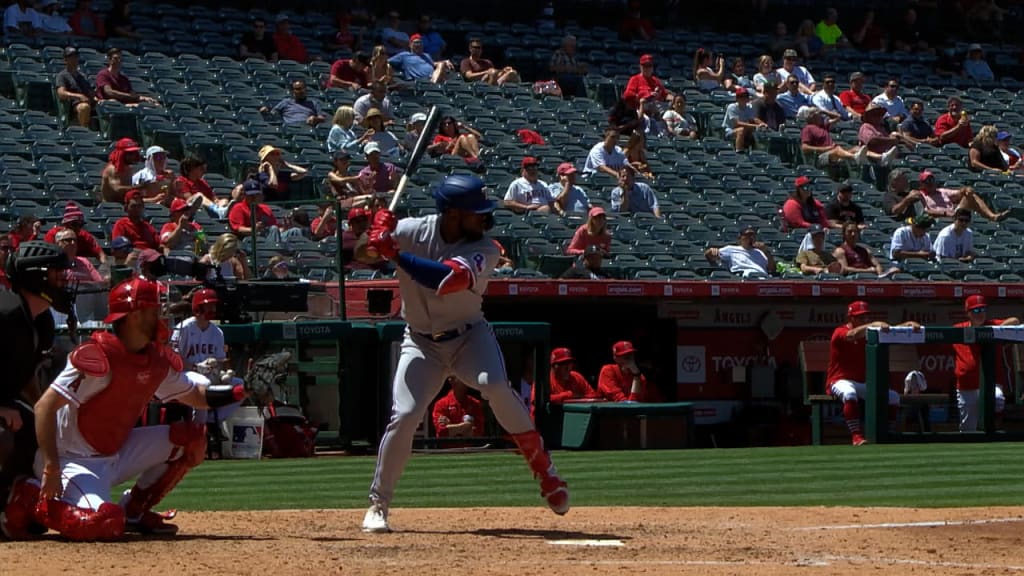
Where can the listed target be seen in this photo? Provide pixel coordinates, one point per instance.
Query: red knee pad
(82, 524)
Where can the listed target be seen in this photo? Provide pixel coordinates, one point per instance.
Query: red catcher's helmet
(204, 296)
(131, 295)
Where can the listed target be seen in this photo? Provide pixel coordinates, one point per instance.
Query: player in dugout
(968, 364)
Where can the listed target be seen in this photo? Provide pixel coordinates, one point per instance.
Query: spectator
(528, 193)
(133, 226)
(765, 74)
(240, 217)
(459, 139)
(458, 414)
(915, 128)
(120, 249)
(706, 77)
(477, 68)
(383, 176)
(594, 232)
(392, 37)
(354, 242)
(650, 122)
(351, 73)
(1011, 155)
(569, 198)
(116, 179)
(280, 173)
(277, 270)
(344, 38)
(827, 101)
(895, 109)
(341, 135)
(790, 67)
(749, 257)
(738, 76)
(954, 126)
(350, 190)
(155, 179)
(679, 121)
(843, 210)
(816, 140)
(875, 138)
(605, 156)
(181, 232)
(225, 259)
(85, 22)
(25, 228)
(298, 109)
(740, 121)
(21, 18)
(192, 184)
(380, 69)
(119, 23)
(976, 67)
(645, 85)
(433, 42)
(767, 108)
(376, 99)
(944, 202)
(801, 209)
(289, 46)
(900, 201)
(624, 119)
(635, 26)
(956, 241)
(415, 64)
(588, 266)
(807, 42)
(907, 35)
(794, 103)
(80, 269)
(50, 21)
(257, 43)
(74, 89)
(326, 224)
(74, 220)
(623, 381)
(827, 30)
(568, 70)
(636, 155)
(112, 84)
(564, 383)
(780, 39)
(912, 241)
(984, 155)
(815, 259)
(853, 256)
(869, 36)
(632, 197)
(386, 142)
(855, 99)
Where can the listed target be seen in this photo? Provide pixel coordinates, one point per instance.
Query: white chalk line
(929, 524)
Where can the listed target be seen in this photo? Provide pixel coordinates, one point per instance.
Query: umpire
(37, 275)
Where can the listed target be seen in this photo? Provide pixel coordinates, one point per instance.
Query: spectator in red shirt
(623, 381)
(802, 209)
(449, 140)
(133, 226)
(855, 99)
(289, 47)
(25, 229)
(73, 220)
(191, 184)
(645, 85)
(112, 84)
(240, 215)
(968, 362)
(116, 178)
(352, 73)
(458, 414)
(85, 22)
(354, 242)
(847, 362)
(594, 232)
(954, 126)
(326, 224)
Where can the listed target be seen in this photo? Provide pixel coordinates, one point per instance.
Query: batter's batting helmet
(131, 295)
(204, 296)
(28, 269)
(463, 192)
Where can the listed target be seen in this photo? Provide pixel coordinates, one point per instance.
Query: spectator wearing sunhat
(241, 213)
(116, 178)
(74, 220)
(645, 85)
(382, 176)
(912, 241)
(75, 89)
(279, 172)
(377, 133)
(622, 381)
(529, 193)
(182, 233)
(569, 197)
(968, 364)
(416, 64)
(975, 65)
(134, 226)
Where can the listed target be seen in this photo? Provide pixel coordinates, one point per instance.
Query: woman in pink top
(801, 210)
(593, 233)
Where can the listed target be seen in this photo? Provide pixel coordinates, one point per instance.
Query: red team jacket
(615, 386)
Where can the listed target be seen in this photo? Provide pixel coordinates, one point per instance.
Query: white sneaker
(376, 519)
(862, 155)
(889, 156)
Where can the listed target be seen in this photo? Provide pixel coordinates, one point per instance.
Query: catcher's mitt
(266, 376)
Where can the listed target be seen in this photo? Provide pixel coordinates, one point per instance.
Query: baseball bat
(433, 119)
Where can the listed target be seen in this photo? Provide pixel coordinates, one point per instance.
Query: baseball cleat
(150, 522)
(556, 492)
(859, 439)
(376, 519)
(18, 517)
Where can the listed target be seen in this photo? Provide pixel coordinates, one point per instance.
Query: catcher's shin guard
(20, 510)
(552, 488)
(82, 524)
(190, 437)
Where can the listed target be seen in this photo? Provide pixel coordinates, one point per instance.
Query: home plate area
(591, 540)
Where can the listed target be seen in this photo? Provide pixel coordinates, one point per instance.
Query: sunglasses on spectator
(894, 85)
(830, 81)
(979, 310)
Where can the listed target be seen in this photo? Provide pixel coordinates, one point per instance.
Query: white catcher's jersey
(195, 345)
(424, 311)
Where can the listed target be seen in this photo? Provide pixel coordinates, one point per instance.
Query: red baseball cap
(415, 37)
(857, 308)
(177, 205)
(132, 194)
(560, 355)
(565, 168)
(741, 91)
(974, 301)
(646, 59)
(529, 161)
(358, 213)
(596, 211)
(924, 175)
(802, 181)
(622, 348)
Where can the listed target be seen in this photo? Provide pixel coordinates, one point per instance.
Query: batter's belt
(446, 335)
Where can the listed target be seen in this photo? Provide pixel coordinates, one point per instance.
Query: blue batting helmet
(463, 192)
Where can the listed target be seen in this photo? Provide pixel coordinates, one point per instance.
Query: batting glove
(385, 220)
(382, 242)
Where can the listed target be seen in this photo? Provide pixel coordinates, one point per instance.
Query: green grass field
(930, 475)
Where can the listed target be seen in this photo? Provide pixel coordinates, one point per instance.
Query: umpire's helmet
(463, 192)
(28, 269)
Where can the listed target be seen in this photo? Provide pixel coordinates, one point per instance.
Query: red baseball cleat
(859, 439)
(150, 522)
(556, 492)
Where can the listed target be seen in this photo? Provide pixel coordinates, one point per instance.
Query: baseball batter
(847, 367)
(444, 262)
(88, 442)
(967, 369)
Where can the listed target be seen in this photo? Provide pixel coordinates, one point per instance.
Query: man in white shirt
(749, 257)
(827, 101)
(606, 156)
(20, 18)
(956, 240)
(892, 102)
(197, 338)
(569, 197)
(789, 66)
(913, 241)
(528, 193)
(377, 98)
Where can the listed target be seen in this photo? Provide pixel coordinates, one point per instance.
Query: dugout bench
(626, 425)
(814, 355)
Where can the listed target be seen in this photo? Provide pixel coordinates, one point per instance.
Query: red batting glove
(385, 220)
(382, 242)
